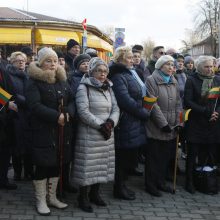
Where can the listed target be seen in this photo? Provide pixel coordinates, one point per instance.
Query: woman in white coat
(98, 113)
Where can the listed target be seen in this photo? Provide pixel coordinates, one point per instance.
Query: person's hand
(214, 116)
(12, 106)
(166, 129)
(61, 120)
(105, 130)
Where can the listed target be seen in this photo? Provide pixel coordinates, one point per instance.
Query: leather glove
(166, 129)
(111, 122)
(105, 131)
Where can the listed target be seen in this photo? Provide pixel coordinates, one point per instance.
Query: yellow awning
(96, 42)
(54, 37)
(15, 36)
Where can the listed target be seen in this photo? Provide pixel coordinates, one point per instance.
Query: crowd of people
(75, 122)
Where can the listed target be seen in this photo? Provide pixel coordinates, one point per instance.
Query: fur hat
(71, 43)
(80, 59)
(162, 60)
(188, 59)
(44, 53)
(95, 62)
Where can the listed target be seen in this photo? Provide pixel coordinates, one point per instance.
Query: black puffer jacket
(43, 94)
(199, 129)
(131, 131)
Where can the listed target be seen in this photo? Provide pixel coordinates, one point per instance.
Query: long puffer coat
(94, 160)
(43, 94)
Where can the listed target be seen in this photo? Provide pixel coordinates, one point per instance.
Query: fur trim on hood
(116, 68)
(35, 72)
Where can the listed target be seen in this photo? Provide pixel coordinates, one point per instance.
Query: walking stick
(61, 132)
(176, 162)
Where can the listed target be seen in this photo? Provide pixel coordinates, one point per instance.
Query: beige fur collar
(35, 72)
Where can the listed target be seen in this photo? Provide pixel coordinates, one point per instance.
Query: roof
(17, 15)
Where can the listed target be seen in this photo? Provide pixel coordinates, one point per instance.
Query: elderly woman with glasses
(94, 156)
(17, 79)
(202, 131)
(164, 117)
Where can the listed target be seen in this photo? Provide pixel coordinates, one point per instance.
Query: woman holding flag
(202, 131)
(160, 127)
(130, 134)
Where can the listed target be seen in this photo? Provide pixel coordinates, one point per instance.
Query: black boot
(152, 190)
(83, 200)
(190, 166)
(94, 195)
(121, 192)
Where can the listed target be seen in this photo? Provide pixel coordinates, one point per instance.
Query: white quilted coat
(94, 157)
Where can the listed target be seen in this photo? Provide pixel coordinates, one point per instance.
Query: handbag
(206, 178)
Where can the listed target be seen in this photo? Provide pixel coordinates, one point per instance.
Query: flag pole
(216, 100)
(2, 107)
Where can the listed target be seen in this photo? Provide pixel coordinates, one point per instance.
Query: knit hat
(162, 60)
(188, 59)
(27, 50)
(44, 53)
(92, 52)
(137, 48)
(80, 59)
(71, 43)
(60, 54)
(95, 62)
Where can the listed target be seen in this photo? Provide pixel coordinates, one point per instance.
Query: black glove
(166, 129)
(105, 131)
(109, 120)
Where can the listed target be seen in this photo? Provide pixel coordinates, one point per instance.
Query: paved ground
(20, 205)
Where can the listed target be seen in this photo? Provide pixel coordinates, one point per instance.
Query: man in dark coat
(73, 50)
(157, 53)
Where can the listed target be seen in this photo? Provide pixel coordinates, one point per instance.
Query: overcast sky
(163, 21)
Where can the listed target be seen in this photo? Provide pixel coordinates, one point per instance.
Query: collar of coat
(159, 79)
(48, 76)
(117, 68)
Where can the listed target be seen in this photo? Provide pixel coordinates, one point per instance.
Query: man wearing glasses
(157, 53)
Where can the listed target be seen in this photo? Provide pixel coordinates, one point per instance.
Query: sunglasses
(162, 53)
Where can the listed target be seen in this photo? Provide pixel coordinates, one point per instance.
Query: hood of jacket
(48, 76)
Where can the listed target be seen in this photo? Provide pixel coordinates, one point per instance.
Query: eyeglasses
(20, 61)
(102, 71)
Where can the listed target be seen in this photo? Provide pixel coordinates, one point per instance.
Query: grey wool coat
(166, 110)
(94, 157)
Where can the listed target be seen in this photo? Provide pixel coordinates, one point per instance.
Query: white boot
(40, 195)
(53, 201)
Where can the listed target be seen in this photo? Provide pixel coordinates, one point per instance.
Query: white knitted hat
(162, 60)
(95, 62)
(44, 53)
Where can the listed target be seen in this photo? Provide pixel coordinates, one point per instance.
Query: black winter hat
(80, 59)
(27, 50)
(71, 43)
(137, 48)
(60, 54)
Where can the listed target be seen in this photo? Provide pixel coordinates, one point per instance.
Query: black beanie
(71, 43)
(60, 54)
(80, 59)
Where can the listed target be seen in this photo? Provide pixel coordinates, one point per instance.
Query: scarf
(206, 84)
(104, 86)
(166, 78)
(139, 81)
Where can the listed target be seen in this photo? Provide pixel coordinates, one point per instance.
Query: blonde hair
(121, 53)
(15, 54)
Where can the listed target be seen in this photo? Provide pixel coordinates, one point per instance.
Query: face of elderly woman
(128, 60)
(19, 62)
(101, 73)
(168, 68)
(207, 68)
(51, 63)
